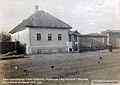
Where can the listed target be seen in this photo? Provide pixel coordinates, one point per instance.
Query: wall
(93, 42)
(21, 36)
(74, 43)
(113, 39)
(45, 46)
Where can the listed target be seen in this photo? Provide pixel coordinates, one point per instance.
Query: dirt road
(87, 65)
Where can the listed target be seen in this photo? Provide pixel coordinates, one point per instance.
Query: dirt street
(76, 68)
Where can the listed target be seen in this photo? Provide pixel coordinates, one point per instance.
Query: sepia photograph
(59, 42)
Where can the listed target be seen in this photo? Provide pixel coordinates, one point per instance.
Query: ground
(78, 66)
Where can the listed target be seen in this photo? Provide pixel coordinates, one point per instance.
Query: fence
(8, 47)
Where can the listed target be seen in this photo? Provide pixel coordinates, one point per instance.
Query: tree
(5, 37)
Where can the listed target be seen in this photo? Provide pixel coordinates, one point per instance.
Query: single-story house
(113, 37)
(42, 33)
(93, 41)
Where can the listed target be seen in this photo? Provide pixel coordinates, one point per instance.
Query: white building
(42, 33)
(113, 38)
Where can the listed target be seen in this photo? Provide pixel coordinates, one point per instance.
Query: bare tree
(5, 37)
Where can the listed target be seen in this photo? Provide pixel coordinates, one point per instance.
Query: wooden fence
(8, 47)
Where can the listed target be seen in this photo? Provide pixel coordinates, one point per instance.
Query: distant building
(42, 33)
(113, 37)
(93, 41)
(74, 41)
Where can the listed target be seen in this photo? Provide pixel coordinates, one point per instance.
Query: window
(75, 37)
(59, 37)
(49, 37)
(70, 38)
(38, 36)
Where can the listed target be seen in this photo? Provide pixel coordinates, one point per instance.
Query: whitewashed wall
(21, 36)
(45, 46)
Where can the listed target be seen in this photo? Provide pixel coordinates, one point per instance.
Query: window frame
(49, 37)
(38, 36)
(59, 37)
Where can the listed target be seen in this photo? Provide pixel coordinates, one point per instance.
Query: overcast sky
(87, 16)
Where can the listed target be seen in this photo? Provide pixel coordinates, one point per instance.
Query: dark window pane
(75, 37)
(49, 37)
(38, 36)
(69, 38)
(59, 37)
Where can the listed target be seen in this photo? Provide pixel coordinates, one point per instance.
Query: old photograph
(59, 42)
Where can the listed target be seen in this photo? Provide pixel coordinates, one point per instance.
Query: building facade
(113, 38)
(93, 41)
(74, 41)
(42, 33)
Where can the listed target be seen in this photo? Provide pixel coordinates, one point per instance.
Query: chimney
(36, 8)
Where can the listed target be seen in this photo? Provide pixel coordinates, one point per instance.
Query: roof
(41, 19)
(110, 31)
(95, 35)
(74, 32)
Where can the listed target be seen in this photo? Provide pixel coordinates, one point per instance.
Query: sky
(86, 16)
